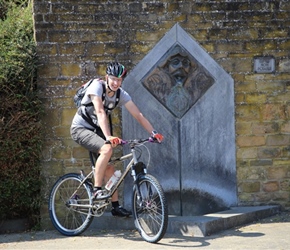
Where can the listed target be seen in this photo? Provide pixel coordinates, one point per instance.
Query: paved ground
(269, 233)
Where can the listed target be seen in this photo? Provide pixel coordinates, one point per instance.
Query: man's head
(116, 72)
(116, 69)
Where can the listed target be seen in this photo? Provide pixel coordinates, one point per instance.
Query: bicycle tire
(150, 211)
(67, 219)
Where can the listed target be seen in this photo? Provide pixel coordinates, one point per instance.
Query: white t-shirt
(96, 88)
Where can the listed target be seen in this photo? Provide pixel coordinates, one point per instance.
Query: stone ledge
(201, 226)
(195, 226)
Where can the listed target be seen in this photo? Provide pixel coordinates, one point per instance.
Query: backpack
(80, 95)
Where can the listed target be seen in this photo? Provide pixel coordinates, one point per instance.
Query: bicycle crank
(99, 208)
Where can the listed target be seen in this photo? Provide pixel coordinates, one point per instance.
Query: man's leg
(105, 154)
(108, 174)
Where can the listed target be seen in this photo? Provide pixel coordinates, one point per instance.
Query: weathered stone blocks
(72, 32)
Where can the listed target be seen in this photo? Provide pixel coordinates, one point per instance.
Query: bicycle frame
(132, 162)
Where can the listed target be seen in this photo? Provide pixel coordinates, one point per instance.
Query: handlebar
(138, 141)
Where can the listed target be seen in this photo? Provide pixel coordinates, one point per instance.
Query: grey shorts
(87, 138)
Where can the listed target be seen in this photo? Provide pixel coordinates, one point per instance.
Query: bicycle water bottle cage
(139, 168)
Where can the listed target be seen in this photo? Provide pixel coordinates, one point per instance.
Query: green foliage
(3, 9)
(20, 114)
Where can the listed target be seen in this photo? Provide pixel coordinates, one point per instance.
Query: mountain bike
(72, 206)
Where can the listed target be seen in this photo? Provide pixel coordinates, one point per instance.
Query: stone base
(195, 226)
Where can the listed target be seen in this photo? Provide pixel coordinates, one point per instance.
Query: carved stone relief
(178, 81)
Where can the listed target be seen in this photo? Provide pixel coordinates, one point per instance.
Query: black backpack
(80, 95)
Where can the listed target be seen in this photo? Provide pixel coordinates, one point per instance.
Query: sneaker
(97, 194)
(120, 212)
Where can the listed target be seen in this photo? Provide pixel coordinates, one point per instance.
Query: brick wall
(76, 39)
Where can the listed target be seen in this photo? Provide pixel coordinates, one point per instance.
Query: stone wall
(76, 39)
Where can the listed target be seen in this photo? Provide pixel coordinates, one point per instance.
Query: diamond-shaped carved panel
(178, 80)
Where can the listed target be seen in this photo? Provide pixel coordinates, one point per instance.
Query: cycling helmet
(116, 69)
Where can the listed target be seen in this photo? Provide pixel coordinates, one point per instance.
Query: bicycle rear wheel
(149, 208)
(68, 218)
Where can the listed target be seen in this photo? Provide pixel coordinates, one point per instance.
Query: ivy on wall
(20, 113)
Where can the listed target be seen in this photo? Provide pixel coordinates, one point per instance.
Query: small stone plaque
(264, 64)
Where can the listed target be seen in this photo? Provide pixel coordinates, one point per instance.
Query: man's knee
(106, 150)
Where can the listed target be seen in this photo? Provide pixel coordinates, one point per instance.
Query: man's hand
(115, 141)
(157, 136)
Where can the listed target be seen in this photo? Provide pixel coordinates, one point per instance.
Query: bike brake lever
(123, 142)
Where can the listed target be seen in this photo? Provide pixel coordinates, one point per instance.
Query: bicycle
(72, 206)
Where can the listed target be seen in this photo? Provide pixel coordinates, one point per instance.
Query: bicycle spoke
(65, 211)
(150, 212)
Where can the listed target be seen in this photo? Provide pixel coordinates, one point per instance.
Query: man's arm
(101, 115)
(135, 112)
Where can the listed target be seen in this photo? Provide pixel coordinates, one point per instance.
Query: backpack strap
(116, 103)
(117, 97)
(104, 92)
(88, 119)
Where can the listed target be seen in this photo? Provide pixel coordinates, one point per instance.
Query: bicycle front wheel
(70, 205)
(149, 206)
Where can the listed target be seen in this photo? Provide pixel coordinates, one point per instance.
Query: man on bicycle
(91, 129)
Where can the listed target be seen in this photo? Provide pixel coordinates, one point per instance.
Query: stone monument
(189, 98)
